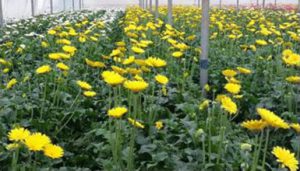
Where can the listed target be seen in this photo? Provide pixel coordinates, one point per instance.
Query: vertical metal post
(298, 6)
(199, 3)
(79, 4)
(150, 6)
(220, 4)
(1, 14)
(32, 7)
(275, 3)
(156, 9)
(170, 6)
(51, 6)
(73, 5)
(204, 46)
(82, 4)
(264, 4)
(257, 3)
(64, 5)
(146, 4)
(237, 5)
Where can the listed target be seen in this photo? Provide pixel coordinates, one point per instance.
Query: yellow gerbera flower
(293, 79)
(254, 125)
(18, 134)
(11, 83)
(296, 127)
(229, 73)
(228, 105)
(162, 79)
(272, 119)
(112, 78)
(244, 70)
(159, 125)
(53, 151)
(177, 54)
(43, 69)
(233, 88)
(89, 93)
(117, 112)
(286, 158)
(37, 141)
(261, 42)
(136, 86)
(62, 66)
(84, 85)
(137, 50)
(155, 62)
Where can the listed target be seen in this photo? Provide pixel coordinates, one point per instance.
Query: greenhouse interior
(150, 85)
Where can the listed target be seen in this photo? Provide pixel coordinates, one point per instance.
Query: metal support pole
(264, 4)
(150, 6)
(204, 46)
(73, 5)
(220, 4)
(1, 14)
(51, 6)
(80, 3)
(237, 5)
(146, 4)
(257, 3)
(199, 3)
(170, 6)
(298, 6)
(32, 7)
(64, 5)
(156, 9)
(275, 3)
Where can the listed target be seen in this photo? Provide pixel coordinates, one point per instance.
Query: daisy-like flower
(112, 78)
(272, 119)
(53, 151)
(62, 66)
(233, 88)
(84, 85)
(296, 127)
(177, 54)
(11, 83)
(286, 158)
(229, 73)
(159, 125)
(43, 69)
(117, 112)
(161, 79)
(228, 105)
(89, 93)
(136, 86)
(18, 134)
(293, 79)
(254, 125)
(137, 50)
(37, 141)
(244, 70)
(261, 42)
(155, 62)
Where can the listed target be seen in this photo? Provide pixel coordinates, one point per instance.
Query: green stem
(266, 148)
(14, 163)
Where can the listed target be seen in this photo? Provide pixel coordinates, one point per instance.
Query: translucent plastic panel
(16, 9)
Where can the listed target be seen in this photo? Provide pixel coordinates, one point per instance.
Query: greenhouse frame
(147, 85)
